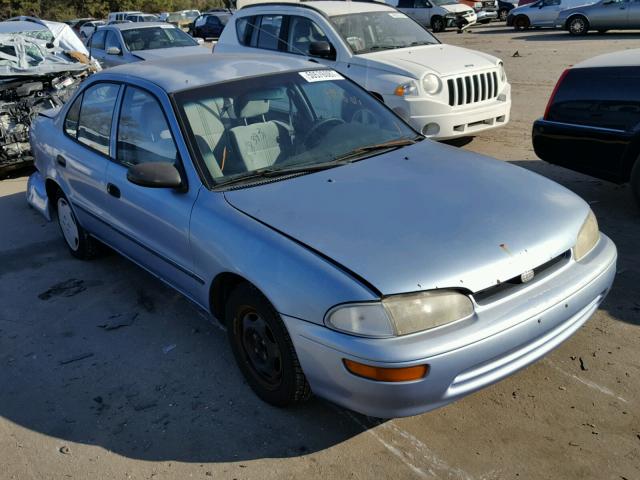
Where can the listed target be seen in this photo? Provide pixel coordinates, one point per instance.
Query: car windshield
(375, 31)
(150, 38)
(288, 123)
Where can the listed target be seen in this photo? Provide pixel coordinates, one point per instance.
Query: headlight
(503, 73)
(431, 83)
(406, 89)
(587, 237)
(400, 314)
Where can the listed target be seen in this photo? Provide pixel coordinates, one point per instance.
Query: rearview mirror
(155, 175)
(322, 49)
(113, 51)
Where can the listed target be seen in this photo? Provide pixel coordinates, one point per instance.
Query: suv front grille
(472, 88)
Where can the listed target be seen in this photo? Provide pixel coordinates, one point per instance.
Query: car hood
(168, 52)
(441, 59)
(423, 217)
(456, 8)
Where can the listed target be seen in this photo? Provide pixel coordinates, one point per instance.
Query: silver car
(346, 254)
(117, 44)
(602, 16)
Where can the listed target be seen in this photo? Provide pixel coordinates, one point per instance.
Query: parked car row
(577, 16)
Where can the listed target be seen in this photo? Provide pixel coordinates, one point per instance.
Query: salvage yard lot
(106, 373)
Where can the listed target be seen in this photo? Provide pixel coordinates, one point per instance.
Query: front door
(546, 14)
(152, 223)
(612, 14)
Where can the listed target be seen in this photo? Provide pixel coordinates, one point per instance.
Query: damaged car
(35, 76)
(347, 254)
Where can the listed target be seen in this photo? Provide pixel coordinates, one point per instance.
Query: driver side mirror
(155, 175)
(322, 49)
(200, 41)
(113, 51)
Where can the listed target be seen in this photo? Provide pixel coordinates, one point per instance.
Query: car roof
(328, 7)
(135, 26)
(192, 71)
(623, 58)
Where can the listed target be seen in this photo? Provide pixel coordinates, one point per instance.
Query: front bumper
(37, 195)
(453, 122)
(486, 15)
(516, 331)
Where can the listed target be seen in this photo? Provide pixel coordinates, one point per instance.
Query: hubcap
(260, 348)
(577, 26)
(68, 224)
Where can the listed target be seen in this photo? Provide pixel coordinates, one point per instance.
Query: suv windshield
(375, 31)
(150, 38)
(288, 123)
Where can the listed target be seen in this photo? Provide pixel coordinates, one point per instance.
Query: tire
(578, 25)
(263, 349)
(437, 24)
(81, 245)
(521, 22)
(635, 181)
(503, 14)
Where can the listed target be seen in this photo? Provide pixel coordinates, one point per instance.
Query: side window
(112, 41)
(243, 30)
(200, 21)
(303, 31)
(405, 4)
(71, 120)
(97, 40)
(269, 32)
(420, 4)
(143, 133)
(94, 126)
(550, 3)
(212, 20)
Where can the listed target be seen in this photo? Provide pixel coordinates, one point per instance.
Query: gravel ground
(160, 396)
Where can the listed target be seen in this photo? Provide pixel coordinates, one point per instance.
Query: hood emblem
(527, 276)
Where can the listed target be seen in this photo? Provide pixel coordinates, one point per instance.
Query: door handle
(113, 190)
(60, 160)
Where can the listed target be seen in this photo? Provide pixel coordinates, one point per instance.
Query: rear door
(419, 10)
(152, 224)
(611, 14)
(84, 151)
(544, 14)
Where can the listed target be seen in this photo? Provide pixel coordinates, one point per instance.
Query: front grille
(467, 89)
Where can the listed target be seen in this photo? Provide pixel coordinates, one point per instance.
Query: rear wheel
(80, 243)
(521, 22)
(437, 24)
(263, 349)
(578, 25)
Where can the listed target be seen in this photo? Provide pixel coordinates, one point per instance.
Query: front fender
(297, 281)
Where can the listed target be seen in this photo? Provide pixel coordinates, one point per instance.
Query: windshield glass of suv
(150, 38)
(375, 31)
(287, 122)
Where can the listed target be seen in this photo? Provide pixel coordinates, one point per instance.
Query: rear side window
(243, 29)
(96, 112)
(598, 97)
(73, 115)
(269, 32)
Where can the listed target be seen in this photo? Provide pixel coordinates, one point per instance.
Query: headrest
(246, 108)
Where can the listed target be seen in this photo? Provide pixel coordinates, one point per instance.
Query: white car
(88, 28)
(442, 91)
(437, 14)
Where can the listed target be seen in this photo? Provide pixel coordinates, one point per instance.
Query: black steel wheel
(263, 349)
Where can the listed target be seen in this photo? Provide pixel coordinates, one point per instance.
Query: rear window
(598, 97)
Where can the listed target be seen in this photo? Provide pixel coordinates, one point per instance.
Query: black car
(592, 121)
(209, 25)
(503, 10)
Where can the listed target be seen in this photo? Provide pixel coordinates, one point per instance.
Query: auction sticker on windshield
(320, 75)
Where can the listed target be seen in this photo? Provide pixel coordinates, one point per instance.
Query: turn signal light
(404, 374)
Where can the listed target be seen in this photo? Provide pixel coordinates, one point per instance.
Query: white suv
(441, 90)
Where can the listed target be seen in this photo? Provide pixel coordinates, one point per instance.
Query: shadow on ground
(103, 353)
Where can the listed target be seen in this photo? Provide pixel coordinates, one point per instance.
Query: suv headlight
(503, 72)
(587, 237)
(400, 314)
(431, 83)
(409, 88)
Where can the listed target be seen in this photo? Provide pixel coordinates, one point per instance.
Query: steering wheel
(366, 117)
(313, 137)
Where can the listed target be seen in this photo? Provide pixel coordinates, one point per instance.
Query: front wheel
(263, 349)
(521, 22)
(578, 25)
(503, 14)
(437, 24)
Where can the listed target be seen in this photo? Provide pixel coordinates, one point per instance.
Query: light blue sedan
(346, 254)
